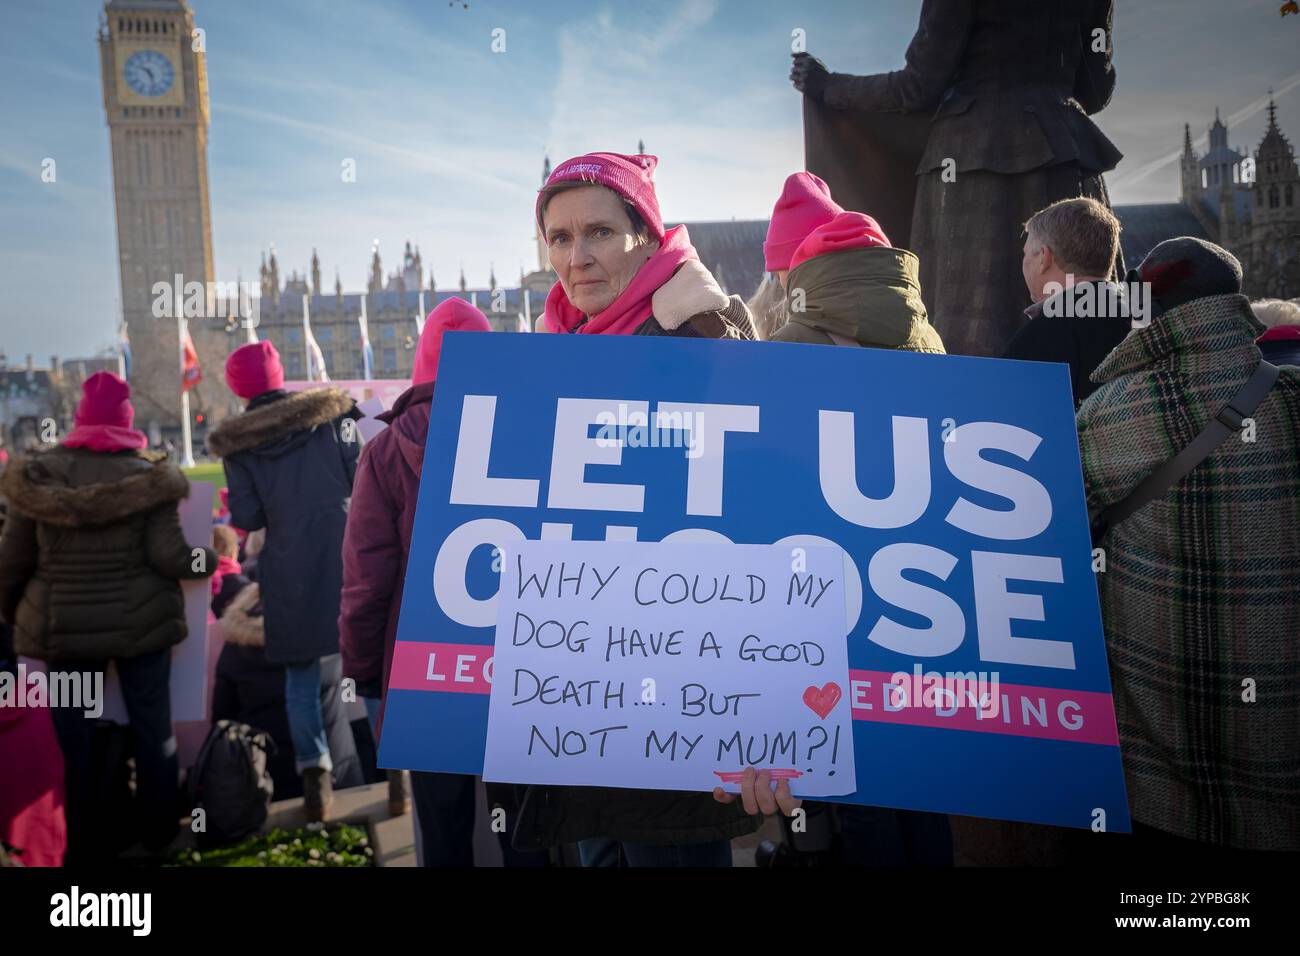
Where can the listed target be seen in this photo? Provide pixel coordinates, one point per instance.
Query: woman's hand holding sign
(758, 795)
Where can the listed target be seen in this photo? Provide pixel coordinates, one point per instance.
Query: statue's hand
(809, 75)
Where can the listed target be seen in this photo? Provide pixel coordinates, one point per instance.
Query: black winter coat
(1079, 341)
(548, 816)
(290, 460)
(92, 555)
(1280, 351)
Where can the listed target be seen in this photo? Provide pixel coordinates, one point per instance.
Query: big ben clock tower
(156, 102)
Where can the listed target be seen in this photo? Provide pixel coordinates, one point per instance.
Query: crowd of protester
(306, 568)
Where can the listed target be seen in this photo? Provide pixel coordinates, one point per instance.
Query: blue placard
(971, 545)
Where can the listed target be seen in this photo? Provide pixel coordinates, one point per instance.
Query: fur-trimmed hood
(75, 487)
(242, 622)
(264, 424)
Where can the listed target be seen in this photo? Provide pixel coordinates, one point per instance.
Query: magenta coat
(378, 539)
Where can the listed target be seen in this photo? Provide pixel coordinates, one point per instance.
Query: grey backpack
(231, 782)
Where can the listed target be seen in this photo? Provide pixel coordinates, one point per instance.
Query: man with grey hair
(1077, 315)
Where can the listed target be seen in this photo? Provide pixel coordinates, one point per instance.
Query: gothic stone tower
(156, 103)
(1276, 233)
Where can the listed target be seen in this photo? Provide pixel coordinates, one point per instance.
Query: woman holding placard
(621, 273)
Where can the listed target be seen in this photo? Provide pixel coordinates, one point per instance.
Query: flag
(367, 353)
(316, 371)
(191, 371)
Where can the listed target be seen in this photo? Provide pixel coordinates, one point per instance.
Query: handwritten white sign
(670, 666)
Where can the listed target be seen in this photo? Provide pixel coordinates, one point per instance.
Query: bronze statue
(986, 123)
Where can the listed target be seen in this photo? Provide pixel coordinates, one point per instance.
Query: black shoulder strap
(1175, 469)
(196, 772)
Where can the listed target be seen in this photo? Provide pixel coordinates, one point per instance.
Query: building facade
(37, 403)
(395, 306)
(1250, 205)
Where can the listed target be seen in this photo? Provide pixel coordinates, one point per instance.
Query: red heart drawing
(823, 700)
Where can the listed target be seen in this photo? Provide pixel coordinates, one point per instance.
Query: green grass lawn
(209, 471)
(316, 844)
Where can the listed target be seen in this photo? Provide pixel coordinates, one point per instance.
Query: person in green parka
(848, 286)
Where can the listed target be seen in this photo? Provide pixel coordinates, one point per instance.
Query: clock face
(149, 73)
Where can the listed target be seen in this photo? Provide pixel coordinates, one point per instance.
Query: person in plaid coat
(1200, 594)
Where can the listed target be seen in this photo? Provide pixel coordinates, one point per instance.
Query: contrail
(1246, 112)
(420, 159)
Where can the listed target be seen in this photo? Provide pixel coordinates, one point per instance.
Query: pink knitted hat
(632, 177)
(848, 230)
(105, 400)
(253, 369)
(804, 205)
(452, 315)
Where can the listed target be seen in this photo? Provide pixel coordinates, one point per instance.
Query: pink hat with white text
(632, 177)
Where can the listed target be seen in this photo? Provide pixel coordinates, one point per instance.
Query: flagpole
(306, 338)
(366, 348)
(121, 331)
(250, 329)
(187, 450)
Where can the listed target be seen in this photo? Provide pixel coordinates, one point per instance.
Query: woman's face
(592, 247)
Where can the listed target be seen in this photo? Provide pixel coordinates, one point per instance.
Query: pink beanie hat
(848, 230)
(1280, 333)
(105, 400)
(804, 205)
(453, 315)
(632, 177)
(253, 369)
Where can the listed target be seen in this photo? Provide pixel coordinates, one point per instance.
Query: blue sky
(448, 137)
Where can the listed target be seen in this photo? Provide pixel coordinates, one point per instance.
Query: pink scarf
(632, 307)
(225, 565)
(105, 438)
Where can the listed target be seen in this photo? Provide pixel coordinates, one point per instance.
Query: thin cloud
(605, 68)
(53, 69)
(463, 170)
(60, 189)
(1250, 110)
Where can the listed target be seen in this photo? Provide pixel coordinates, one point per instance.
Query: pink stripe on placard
(1021, 710)
(777, 773)
(452, 668)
